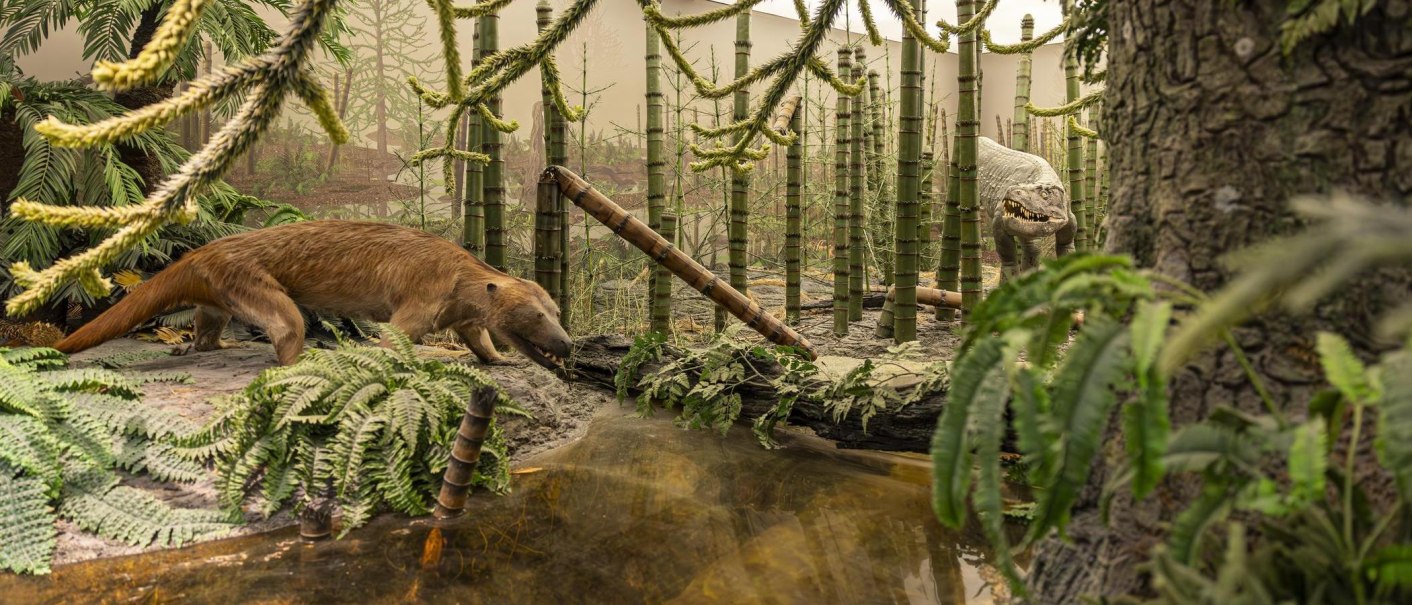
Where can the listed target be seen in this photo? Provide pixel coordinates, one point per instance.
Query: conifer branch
(270, 79)
(1080, 130)
(653, 11)
(1024, 47)
(962, 29)
(904, 11)
(159, 54)
(1065, 110)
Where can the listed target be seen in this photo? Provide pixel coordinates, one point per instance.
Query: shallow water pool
(637, 511)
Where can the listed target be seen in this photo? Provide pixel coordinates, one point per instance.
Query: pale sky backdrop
(1004, 23)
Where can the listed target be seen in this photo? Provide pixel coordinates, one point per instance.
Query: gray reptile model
(1026, 201)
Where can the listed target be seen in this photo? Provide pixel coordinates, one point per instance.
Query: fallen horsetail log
(637, 233)
(941, 299)
(465, 453)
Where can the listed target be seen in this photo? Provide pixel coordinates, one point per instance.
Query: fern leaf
(972, 375)
(27, 534)
(27, 445)
(1083, 396)
(33, 358)
(1391, 567)
(92, 379)
(1394, 440)
(1342, 368)
(989, 426)
(136, 517)
(1308, 460)
(158, 460)
(1211, 506)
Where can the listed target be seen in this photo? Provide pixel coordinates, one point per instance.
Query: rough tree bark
(1210, 131)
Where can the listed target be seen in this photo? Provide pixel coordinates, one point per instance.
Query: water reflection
(638, 511)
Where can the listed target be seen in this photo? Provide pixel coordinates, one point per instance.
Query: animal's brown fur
(418, 282)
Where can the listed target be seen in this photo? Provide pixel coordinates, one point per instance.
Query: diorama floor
(638, 510)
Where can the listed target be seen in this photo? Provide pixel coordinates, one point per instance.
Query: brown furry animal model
(418, 282)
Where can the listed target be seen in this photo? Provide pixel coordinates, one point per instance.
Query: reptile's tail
(174, 285)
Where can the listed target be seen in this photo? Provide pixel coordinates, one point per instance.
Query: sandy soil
(562, 411)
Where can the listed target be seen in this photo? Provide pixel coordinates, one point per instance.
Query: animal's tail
(176, 284)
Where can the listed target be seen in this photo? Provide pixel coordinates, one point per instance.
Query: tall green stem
(856, 274)
(740, 181)
(1075, 155)
(1021, 126)
(494, 171)
(840, 203)
(909, 186)
(967, 129)
(794, 176)
(1091, 184)
(473, 228)
(661, 284)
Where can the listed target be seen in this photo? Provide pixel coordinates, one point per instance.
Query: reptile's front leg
(1005, 247)
(1064, 238)
(1031, 249)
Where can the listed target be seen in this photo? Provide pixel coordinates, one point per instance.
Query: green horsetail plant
(264, 82)
(967, 129)
(1020, 140)
(549, 253)
(661, 283)
(841, 210)
(64, 434)
(1074, 159)
(493, 185)
(473, 232)
(1095, 219)
(925, 212)
(948, 272)
(740, 181)
(368, 427)
(877, 180)
(909, 185)
(794, 189)
(857, 276)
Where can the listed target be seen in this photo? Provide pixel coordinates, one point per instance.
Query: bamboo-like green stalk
(548, 256)
(1075, 157)
(494, 176)
(558, 147)
(740, 180)
(794, 181)
(1091, 183)
(546, 237)
(877, 179)
(656, 185)
(948, 271)
(856, 273)
(662, 286)
(840, 202)
(473, 225)
(967, 127)
(1021, 139)
(925, 199)
(909, 185)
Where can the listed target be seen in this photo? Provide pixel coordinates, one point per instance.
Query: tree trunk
(856, 275)
(840, 202)
(1210, 132)
(739, 234)
(147, 166)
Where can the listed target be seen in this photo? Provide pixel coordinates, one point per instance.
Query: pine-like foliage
(97, 176)
(371, 427)
(63, 435)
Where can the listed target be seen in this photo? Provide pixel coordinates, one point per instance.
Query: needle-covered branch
(265, 81)
(971, 24)
(1024, 47)
(1065, 110)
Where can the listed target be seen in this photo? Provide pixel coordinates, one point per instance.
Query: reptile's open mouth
(1016, 210)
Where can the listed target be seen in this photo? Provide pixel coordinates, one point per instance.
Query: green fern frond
(33, 358)
(27, 534)
(158, 460)
(130, 515)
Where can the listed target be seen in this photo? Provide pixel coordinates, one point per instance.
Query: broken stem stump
(465, 453)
